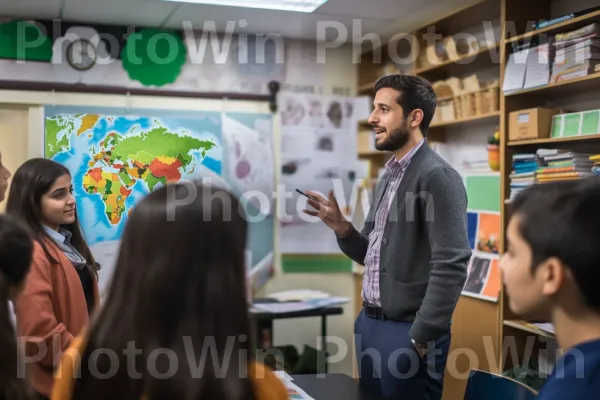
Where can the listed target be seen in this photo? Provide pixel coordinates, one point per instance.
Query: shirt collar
(62, 236)
(404, 161)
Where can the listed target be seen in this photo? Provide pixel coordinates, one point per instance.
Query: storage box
(576, 124)
(366, 141)
(533, 123)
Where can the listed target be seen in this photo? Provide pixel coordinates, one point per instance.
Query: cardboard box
(366, 141)
(533, 123)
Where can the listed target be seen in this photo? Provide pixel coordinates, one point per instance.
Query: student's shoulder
(267, 385)
(39, 252)
(576, 375)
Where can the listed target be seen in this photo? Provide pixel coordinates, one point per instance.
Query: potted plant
(494, 151)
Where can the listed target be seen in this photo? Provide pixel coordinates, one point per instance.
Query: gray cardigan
(425, 249)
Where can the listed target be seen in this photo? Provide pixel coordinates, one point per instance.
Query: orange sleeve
(40, 332)
(267, 385)
(65, 373)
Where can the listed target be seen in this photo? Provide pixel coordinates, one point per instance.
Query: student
(16, 249)
(61, 289)
(175, 321)
(551, 272)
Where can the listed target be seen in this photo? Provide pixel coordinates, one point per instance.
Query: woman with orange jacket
(61, 288)
(175, 322)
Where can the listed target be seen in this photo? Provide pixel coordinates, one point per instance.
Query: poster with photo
(483, 277)
(484, 228)
(318, 153)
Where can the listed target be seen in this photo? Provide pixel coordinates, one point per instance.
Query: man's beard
(394, 141)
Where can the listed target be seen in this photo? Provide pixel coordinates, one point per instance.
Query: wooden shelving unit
(495, 320)
(552, 140)
(577, 94)
(560, 27)
(467, 120)
(527, 327)
(552, 89)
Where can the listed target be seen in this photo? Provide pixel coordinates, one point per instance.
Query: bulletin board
(483, 222)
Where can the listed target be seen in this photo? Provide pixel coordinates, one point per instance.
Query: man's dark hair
(415, 93)
(561, 220)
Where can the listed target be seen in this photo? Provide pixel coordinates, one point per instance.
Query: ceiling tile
(287, 24)
(119, 12)
(379, 9)
(31, 9)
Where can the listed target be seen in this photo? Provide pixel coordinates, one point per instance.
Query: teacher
(414, 247)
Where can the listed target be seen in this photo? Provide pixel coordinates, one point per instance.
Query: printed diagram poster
(318, 153)
(483, 228)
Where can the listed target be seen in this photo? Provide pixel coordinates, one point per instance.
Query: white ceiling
(383, 17)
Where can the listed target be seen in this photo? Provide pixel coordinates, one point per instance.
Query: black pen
(305, 195)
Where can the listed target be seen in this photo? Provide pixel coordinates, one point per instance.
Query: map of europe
(115, 159)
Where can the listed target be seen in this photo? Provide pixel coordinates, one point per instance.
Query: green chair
(483, 385)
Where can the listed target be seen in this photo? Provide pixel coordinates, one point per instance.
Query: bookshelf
(577, 94)
(478, 324)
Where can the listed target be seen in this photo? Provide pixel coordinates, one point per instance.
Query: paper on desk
(294, 392)
(298, 295)
(283, 375)
(299, 305)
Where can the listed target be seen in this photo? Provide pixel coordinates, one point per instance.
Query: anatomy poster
(318, 153)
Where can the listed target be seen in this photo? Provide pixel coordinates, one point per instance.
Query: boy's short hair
(562, 220)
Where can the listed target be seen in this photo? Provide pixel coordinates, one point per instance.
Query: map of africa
(117, 159)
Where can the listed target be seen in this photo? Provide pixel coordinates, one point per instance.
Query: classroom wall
(13, 138)
(21, 137)
(339, 73)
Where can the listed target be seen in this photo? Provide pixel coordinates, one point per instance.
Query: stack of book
(560, 164)
(596, 164)
(523, 173)
(577, 53)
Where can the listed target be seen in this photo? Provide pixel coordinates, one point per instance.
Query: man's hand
(420, 349)
(329, 212)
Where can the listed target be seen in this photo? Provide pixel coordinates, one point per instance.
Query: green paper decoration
(154, 57)
(22, 40)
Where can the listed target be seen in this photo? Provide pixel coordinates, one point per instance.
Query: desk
(332, 386)
(264, 324)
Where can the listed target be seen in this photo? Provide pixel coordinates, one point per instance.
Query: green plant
(495, 138)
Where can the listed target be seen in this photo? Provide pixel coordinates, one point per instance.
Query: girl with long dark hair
(175, 322)
(61, 289)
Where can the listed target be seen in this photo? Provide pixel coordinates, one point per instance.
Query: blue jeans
(389, 365)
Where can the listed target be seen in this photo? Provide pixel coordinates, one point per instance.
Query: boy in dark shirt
(551, 271)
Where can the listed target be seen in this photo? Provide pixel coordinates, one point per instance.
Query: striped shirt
(395, 169)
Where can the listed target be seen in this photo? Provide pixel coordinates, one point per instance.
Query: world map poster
(116, 158)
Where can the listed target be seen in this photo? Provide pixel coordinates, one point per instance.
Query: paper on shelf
(514, 73)
(547, 327)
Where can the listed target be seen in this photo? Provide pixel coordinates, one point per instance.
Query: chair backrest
(483, 385)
